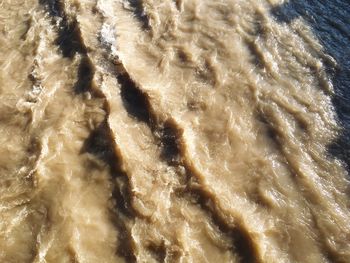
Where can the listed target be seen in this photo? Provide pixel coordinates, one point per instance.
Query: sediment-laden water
(174, 131)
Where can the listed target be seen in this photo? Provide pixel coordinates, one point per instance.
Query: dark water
(330, 21)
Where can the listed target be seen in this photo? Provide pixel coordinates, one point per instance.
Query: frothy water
(174, 131)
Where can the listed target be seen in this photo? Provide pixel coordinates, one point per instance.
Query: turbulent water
(174, 131)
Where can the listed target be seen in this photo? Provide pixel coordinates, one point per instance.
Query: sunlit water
(174, 131)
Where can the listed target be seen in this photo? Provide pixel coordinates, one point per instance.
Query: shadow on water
(69, 37)
(139, 13)
(138, 106)
(330, 21)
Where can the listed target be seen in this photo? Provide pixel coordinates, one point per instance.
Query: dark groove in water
(138, 10)
(178, 4)
(70, 39)
(54, 7)
(159, 252)
(100, 142)
(86, 74)
(69, 36)
(125, 245)
(169, 135)
(330, 22)
(138, 105)
(242, 243)
(134, 100)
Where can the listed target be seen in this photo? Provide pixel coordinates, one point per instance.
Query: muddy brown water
(174, 131)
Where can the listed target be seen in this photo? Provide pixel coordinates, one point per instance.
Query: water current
(174, 131)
